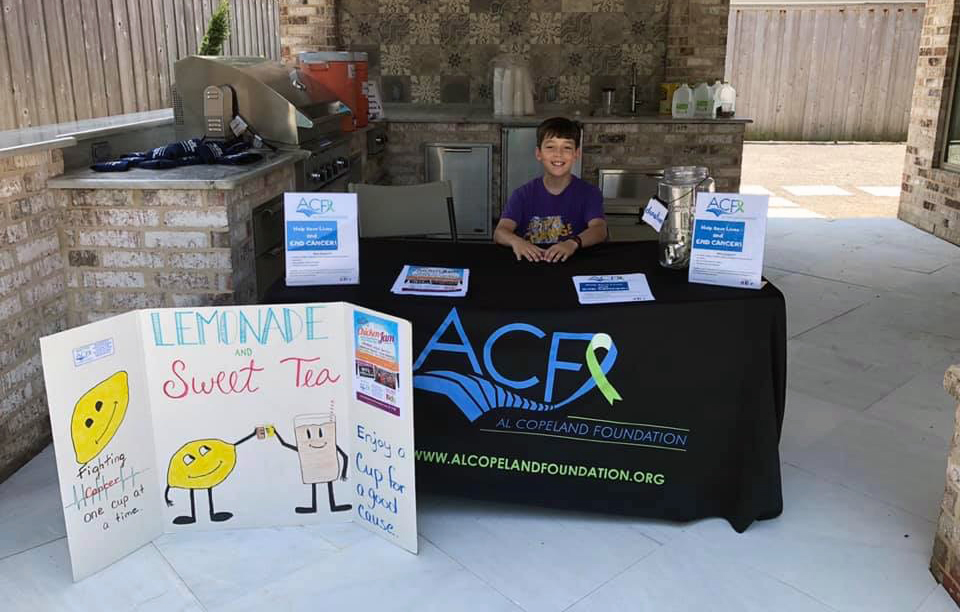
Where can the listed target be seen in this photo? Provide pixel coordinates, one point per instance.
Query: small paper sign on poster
(173, 420)
(321, 239)
(729, 231)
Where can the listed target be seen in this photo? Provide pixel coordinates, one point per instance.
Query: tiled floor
(872, 323)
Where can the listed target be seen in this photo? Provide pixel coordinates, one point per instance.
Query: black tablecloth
(513, 413)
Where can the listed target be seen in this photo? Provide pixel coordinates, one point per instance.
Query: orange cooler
(337, 71)
(363, 106)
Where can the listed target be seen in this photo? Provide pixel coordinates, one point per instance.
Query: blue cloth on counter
(121, 165)
(241, 159)
(184, 153)
(158, 164)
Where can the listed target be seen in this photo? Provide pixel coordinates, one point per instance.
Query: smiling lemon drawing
(97, 415)
(201, 464)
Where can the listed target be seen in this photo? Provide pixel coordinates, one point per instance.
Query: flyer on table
(432, 280)
(610, 288)
(729, 230)
(321, 238)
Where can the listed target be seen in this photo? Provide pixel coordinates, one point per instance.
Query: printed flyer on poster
(173, 420)
(729, 231)
(377, 376)
(431, 280)
(321, 242)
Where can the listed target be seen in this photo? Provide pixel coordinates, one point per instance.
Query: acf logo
(725, 206)
(314, 206)
(486, 388)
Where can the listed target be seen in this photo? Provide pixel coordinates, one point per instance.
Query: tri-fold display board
(240, 416)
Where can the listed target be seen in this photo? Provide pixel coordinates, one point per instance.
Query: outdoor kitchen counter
(63, 135)
(454, 113)
(214, 176)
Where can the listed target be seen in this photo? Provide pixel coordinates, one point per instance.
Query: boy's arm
(596, 232)
(523, 249)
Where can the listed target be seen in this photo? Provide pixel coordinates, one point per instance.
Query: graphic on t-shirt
(547, 230)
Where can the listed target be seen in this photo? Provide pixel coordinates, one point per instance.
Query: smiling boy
(553, 216)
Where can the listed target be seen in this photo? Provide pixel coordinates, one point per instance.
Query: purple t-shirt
(544, 218)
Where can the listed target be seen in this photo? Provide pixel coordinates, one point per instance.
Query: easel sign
(241, 416)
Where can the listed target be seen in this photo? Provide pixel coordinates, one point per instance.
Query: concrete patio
(873, 323)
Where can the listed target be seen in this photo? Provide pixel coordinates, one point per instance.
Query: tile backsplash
(439, 51)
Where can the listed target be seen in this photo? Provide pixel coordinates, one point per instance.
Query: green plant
(217, 30)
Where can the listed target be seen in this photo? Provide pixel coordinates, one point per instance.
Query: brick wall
(32, 302)
(306, 25)
(930, 196)
(128, 249)
(718, 146)
(696, 40)
(945, 564)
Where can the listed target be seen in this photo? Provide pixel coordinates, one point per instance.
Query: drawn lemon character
(97, 415)
(201, 464)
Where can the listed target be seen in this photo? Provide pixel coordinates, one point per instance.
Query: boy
(553, 216)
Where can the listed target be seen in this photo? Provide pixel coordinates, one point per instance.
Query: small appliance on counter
(343, 73)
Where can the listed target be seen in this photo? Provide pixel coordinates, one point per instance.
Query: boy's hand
(524, 249)
(560, 251)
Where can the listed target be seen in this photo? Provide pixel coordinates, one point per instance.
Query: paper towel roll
(498, 90)
(508, 87)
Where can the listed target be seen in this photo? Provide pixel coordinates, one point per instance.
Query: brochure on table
(610, 288)
(729, 230)
(321, 239)
(242, 416)
(432, 280)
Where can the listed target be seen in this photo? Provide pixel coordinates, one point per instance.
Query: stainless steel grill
(273, 101)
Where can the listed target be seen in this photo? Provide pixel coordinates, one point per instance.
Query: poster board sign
(168, 420)
(321, 239)
(729, 231)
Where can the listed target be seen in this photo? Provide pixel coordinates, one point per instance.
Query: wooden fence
(65, 60)
(836, 72)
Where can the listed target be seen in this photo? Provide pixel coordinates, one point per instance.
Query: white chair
(424, 210)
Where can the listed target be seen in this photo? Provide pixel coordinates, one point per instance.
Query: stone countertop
(62, 135)
(215, 176)
(462, 113)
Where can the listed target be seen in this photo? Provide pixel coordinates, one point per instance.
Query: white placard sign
(321, 238)
(729, 230)
(654, 214)
(238, 416)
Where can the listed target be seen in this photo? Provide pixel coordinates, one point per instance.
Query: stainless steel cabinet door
(469, 168)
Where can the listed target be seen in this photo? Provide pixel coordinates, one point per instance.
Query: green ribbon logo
(603, 341)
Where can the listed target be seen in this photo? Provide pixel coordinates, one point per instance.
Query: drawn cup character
(320, 457)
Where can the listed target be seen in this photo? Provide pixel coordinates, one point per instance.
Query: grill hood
(269, 96)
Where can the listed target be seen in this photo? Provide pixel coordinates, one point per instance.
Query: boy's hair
(558, 127)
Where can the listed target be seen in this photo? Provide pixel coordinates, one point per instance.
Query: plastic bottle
(714, 92)
(683, 102)
(726, 101)
(703, 102)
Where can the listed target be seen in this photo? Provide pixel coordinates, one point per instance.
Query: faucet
(633, 88)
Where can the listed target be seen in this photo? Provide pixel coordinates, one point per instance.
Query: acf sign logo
(486, 388)
(724, 206)
(314, 206)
